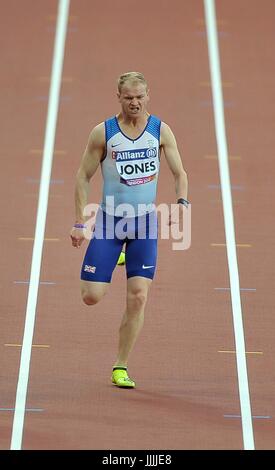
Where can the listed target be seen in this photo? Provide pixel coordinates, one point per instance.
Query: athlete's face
(133, 99)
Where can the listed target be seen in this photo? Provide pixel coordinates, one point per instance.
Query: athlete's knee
(136, 300)
(91, 296)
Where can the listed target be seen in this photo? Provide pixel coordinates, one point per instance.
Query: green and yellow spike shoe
(121, 379)
(121, 259)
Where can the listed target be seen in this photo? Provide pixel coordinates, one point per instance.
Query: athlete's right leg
(99, 263)
(92, 292)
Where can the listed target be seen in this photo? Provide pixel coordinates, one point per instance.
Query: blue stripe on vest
(111, 128)
(154, 127)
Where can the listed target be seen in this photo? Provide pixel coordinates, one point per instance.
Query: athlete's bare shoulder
(97, 137)
(166, 133)
(97, 134)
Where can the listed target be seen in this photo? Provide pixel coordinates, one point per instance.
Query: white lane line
(43, 283)
(213, 50)
(244, 289)
(57, 65)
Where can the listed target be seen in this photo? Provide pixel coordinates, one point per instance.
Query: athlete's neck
(135, 122)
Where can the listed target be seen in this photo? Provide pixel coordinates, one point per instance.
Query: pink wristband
(80, 226)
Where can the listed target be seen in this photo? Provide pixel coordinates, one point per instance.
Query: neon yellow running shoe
(121, 379)
(121, 259)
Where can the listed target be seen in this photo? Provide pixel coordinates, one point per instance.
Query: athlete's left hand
(176, 215)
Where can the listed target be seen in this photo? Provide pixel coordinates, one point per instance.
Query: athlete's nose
(134, 102)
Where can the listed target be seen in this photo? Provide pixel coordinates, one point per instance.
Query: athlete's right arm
(91, 159)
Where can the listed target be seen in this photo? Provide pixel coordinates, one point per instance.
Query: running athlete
(127, 147)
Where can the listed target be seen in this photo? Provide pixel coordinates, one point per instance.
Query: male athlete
(128, 148)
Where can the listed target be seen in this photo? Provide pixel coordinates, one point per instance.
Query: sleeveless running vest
(130, 169)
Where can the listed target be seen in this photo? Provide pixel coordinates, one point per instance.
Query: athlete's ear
(118, 96)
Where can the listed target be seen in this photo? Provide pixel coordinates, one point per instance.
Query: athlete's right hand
(77, 236)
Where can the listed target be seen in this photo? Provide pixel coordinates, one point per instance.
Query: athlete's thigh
(100, 259)
(141, 257)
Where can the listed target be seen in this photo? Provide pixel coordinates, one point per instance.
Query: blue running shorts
(110, 233)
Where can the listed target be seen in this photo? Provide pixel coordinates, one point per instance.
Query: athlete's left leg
(141, 258)
(133, 318)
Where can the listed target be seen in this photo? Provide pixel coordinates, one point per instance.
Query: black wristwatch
(183, 201)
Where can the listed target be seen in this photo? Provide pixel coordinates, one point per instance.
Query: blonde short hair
(133, 77)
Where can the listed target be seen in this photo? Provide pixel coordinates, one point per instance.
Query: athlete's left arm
(169, 145)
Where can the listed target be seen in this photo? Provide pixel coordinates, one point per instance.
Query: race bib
(137, 166)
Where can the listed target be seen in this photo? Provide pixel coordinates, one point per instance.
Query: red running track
(184, 362)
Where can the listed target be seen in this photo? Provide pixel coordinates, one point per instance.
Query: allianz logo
(135, 154)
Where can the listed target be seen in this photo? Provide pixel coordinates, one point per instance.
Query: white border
(216, 83)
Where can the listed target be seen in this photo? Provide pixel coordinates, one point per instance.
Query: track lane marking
(14, 345)
(52, 114)
(71, 18)
(238, 245)
(234, 187)
(246, 352)
(63, 80)
(42, 283)
(245, 289)
(27, 239)
(38, 181)
(36, 410)
(218, 108)
(235, 201)
(253, 417)
(40, 152)
(35, 195)
(220, 22)
(206, 84)
(215, 157)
